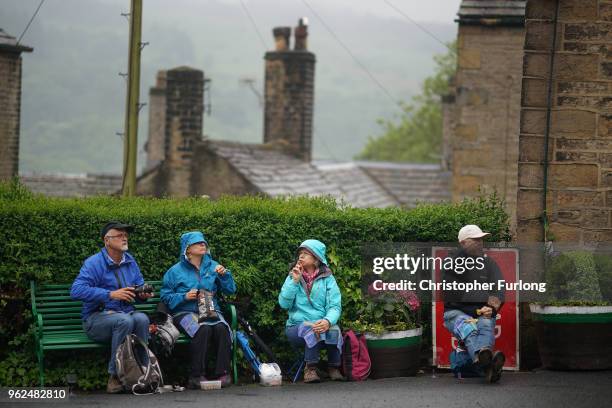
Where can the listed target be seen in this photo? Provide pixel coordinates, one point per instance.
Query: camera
(146, 288)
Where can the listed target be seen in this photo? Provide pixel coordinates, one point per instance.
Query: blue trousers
(311, 355)
(475, 337)
(110, 326)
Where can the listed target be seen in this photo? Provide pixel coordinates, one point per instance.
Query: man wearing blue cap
(106, 286)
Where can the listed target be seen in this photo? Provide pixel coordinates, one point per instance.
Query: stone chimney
(10, 104)
(289, 92)
(155, 146)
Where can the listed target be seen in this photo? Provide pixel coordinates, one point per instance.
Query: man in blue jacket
(106, 285)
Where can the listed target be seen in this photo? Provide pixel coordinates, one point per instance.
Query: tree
(417, 137)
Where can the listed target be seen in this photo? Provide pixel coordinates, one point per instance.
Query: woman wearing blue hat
(312, 297)
(189, 289)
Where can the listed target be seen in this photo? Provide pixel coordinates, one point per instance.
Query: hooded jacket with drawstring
(183, 276)
(324, 300)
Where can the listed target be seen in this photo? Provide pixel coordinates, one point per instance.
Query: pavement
(516, 389)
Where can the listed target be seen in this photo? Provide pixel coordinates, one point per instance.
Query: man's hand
(220, 269)
(320, 326)
(124, 294)
(494, 302)
(191, 295)
(486, 311)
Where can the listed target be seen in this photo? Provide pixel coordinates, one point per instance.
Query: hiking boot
(484, 357)
(194, 383)
(335, 374)
(310, 374)
(494, 371)
(114, 386)
(226, 381)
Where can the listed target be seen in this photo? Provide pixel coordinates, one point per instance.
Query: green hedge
(48, 239)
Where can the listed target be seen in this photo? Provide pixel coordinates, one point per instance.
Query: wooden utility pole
(130, 138)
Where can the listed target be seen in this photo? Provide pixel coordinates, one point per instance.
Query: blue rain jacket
(96, 280)
(183, 276)
(324, 302)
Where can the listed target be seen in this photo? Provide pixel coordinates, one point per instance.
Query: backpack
(137, 376)
(356, 363)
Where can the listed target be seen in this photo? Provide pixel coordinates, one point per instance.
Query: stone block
(605, 11)
(536, 64)
(606, 178)
(541, 9)
(533, 121)
(571, 156)
(530, 175)
(573, 175)
(576, 66)
(596, 236)
(538, 35)
(573, 123)
(596, 218)
(468, 58)
(605, 159)
(567, 217)
(579, 199)
(583, 88)
(534, 93)
(466, 133)
(531, 149)
(588, 32)
(578, 10)
(583, 144)
(604, 128)
(606, 70)
(529, 203)
(466, 184)
(565, 233)
(529, 231)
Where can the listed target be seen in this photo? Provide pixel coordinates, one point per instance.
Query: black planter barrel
(574, 337)
(395, 354)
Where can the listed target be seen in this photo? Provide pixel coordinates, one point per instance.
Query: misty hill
(73, 98)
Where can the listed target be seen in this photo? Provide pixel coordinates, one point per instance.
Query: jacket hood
(317, 248)
(190, 238)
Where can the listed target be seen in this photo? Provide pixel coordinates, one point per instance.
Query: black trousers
(216, 337)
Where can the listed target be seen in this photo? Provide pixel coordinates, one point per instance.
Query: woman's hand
(296, 272)
(220, 269)
(321, 326)
(191, 295)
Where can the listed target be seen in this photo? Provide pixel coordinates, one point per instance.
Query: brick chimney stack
(10, 112)
(289, 92)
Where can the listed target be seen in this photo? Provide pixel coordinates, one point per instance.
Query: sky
(227, 39)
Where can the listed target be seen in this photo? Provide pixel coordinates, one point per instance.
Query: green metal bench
(59, 326)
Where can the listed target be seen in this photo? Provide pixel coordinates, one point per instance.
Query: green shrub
(573, 279)
(47, 240)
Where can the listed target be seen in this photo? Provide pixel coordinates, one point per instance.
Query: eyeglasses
(123, 235)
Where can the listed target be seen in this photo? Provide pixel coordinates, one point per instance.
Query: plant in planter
(391, 323)
(574, 323)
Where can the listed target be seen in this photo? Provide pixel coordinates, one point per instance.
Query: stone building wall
(485, 122)
(579, 148)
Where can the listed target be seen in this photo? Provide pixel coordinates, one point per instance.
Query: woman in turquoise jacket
(184, 283)
(312, 297)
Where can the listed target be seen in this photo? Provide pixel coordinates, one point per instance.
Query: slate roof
(277, 173)
(71, 185)
(410, 183)
(490, 12)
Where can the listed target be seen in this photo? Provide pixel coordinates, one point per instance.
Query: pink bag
(356, 363)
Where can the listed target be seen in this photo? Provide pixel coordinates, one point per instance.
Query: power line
(30, 22)
(407, 17)
(246, 10)
(348, 51)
